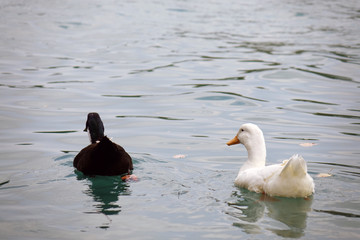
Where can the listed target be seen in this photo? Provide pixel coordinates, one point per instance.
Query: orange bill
(233, 141)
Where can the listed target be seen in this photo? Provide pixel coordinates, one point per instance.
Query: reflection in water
(326, 75)
(251, 207)
(156, 117)
(105, 190)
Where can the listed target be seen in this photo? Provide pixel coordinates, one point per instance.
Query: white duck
(289, 179)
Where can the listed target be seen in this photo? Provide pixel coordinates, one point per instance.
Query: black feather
(102, 157)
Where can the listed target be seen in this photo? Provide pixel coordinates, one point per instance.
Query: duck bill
(233, 141)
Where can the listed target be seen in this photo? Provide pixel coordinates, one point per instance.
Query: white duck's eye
(241, 130)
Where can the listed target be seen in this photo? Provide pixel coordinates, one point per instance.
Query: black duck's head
(95, 127)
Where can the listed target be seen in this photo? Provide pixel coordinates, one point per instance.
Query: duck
(102, 156)
(287, 179)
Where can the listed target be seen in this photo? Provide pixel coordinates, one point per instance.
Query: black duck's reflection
(251, 207)
(105, 190)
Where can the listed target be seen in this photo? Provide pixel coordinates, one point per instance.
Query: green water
(174, 78)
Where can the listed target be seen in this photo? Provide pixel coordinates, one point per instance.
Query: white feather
(289, 179)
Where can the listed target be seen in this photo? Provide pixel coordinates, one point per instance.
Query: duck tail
(296, 166)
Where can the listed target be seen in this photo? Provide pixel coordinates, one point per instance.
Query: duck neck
(95, 127)
(256, 156)
(96, 135)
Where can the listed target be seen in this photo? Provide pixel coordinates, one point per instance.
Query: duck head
(95, 127)
(248, 134)
(251, 136)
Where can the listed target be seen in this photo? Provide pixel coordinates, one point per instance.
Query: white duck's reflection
(250, 208)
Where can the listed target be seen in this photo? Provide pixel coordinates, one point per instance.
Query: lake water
(173, 81)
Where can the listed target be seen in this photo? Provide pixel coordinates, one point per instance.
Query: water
(177, 78)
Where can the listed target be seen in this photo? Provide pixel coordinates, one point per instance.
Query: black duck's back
(103, 158)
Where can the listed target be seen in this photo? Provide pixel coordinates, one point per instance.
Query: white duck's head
(251, 136)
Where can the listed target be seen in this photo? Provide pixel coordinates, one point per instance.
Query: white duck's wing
(291, 180)
(296, 166)
(250, 179)
(255, 178)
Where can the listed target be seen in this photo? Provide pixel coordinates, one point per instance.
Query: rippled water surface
(173, 81)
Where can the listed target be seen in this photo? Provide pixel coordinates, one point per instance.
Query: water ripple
(202, 85)
(313, 101)
(154, 117)
(337, 213)
(336, 115)
(57, 132)
(220, 79)
(240, 95)
(326, 75)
